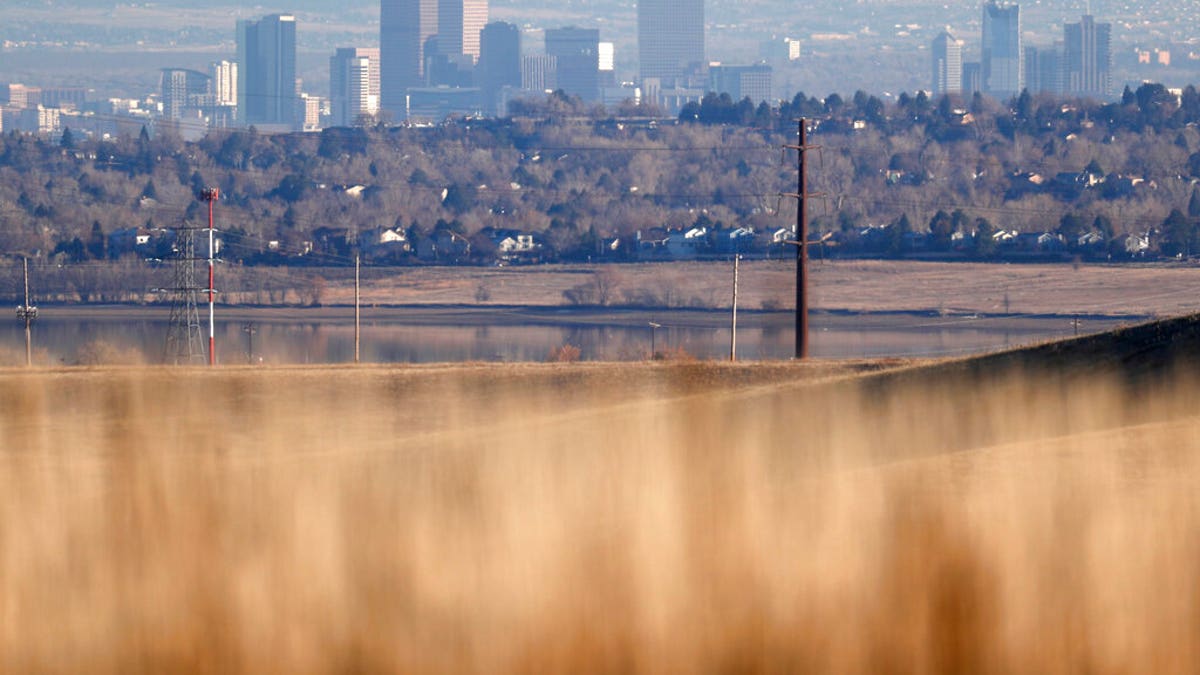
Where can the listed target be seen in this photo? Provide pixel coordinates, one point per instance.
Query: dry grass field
(854, 285)
(1025, 512)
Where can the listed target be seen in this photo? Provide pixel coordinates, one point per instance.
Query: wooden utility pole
(733, 327)
(801, 196)
(356, 305)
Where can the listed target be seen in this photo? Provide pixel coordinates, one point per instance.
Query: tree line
(583, 178)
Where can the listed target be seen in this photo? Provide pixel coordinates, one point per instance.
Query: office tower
(779, 50)
(670, 38)
(499, 62)
(308, 112)
(404, 26)
(753, 82)
(64, 97)
(224, 82)
(539, 73)
(180, 88)
(947, 65)
(353, 85)
(267, 71)
(607, 64)
(19, 96)
(1003, 75)
(1043, 69)
(459, 23)
(972, 78)
(1087, 58)
(577, 54)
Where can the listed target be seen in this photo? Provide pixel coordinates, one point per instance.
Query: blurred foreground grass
(599, 518)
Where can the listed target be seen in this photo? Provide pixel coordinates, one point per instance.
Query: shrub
(564, 354)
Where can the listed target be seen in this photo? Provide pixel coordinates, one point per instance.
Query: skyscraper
(224, 76)
(353, 85)
(404, 26)
(180, 86)
(267, 71)
(1087, 56)
(539, 72)
(947, 65)
(499, 62)
(670, 38)
(742, 81)
(1003, 75)
(1043, 69)
(459, 23)
(577, 54)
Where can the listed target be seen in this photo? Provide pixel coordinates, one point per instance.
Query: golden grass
(583, 518)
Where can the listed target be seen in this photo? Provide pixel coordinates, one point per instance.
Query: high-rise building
(19, 96)
(404, 26)
(353, 85)
(607, 64)
(1087, 58)
(308, 112)
(459, 23)
(64, 97)
(577, 54)
(779, 50)
(1043, 69)
(753, 82)
(1003, 75)
(180, 89)
(670, 38)
(267, 92)
(539, 72)
(972, 77)
(499, 62)
(947, 65)
(224, 82)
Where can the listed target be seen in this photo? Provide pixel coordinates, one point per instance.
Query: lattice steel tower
(185, 339)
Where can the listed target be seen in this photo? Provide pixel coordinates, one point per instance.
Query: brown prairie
(1026, 512)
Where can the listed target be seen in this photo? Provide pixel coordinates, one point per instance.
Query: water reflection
(58, 340)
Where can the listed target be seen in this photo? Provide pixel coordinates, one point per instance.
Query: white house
(686, 245)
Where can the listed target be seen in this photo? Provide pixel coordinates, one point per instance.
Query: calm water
(61, 341)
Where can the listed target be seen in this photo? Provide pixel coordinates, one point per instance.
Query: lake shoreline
(567, 316)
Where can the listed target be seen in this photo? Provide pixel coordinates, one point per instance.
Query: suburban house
(514, 244)
(733, 240)
(383, 239)
(653, 243)
(444, 246)
(687, 244)
(1135, 244)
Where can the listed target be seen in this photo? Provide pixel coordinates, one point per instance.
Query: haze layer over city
(883, 48)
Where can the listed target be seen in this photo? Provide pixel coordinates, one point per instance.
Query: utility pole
(356, 307)
(211, 195)
(733, 327)
(249, 330)
(801, 196)
(27, 313)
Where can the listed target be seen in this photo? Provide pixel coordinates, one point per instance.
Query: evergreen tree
(985, 244)
(1193, 209)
